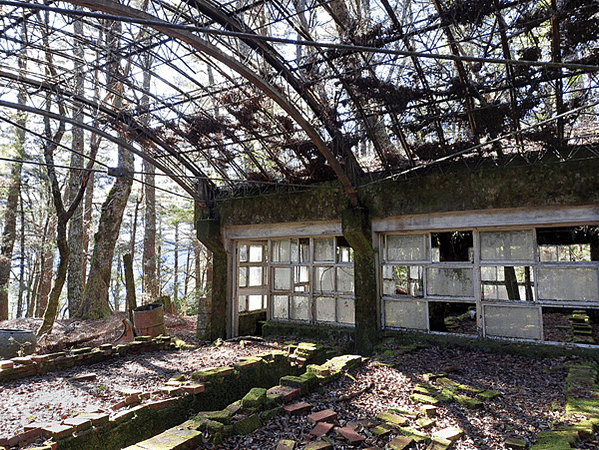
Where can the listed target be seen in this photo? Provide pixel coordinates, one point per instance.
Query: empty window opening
(576, 325)
(452, 317)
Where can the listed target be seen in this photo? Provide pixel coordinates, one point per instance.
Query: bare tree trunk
(21, 261)
(47, 265)
(95, 298)
(75, 275)
(129, 284)
(7, 239)
(176, 268)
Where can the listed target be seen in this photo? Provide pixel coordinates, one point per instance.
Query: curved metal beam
(111, 7)
(28, 109)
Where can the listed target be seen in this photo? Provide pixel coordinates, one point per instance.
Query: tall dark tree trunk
(76, 277)
(95, 298)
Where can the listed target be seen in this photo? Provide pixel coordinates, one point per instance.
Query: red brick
(193, 389)
(158, 404)
(35, 425)
(350, 435)
(286, 392)
(78, 423)
(118, 405)
(123, 416)
(84, 377)
(40, 358)
(171, 390)
(24, 439)
(132, 399)
(6, 364)
(297, 408)
(57, 432)
(321, 429)
(326, 415)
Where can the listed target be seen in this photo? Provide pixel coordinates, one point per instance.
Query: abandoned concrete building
(369, 166)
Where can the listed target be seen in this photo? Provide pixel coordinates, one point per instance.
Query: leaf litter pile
(531, 392)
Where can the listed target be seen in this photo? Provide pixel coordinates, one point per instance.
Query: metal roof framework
(251, 94)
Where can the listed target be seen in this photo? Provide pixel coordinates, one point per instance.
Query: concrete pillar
(212, 313)
(357, 231)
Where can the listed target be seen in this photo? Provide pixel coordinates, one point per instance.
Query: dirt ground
(532, 390)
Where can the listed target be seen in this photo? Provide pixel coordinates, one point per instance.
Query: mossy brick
(285, 444)
(193, 388)
(488, 395)
(400, 443)
(444, 381)
(449, 433)
(304, 382)
(425, 422)
(255, 398)
(248, 424)
(515, 444)
(171, 390)
(181, 440)
(122, 416)
(392, 419)
(222, 416)
(439, 443)
(468, 402)
(267, 415)
(426, 399)
(425, 389)
(178, 377)
(428, 411)
(404, 412)
(211, 426)
(248, 362)
(212, 373)
(381, 430)
(554, 440)
(446, 396)
(414, 434)
(433, 376)
(319, 445)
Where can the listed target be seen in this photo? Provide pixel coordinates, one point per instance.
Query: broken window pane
(256, 253)
(452, 317)
(568, 283)
(345, 279)
(256, 276)
(243, 276)
(325, 309)
(407, 247)
(282, 278)
(243, 253)
(580, 326)
(300, 308)
(300, 250)
(344, 252)
(403, 280)
(507, 245)
(302, 279)
(345, 310)
(507, 283)
(243, 303)
(568, 244)
(325, 279)
(280, 306)
(281, 250)
(254, 302)
(452, 246)
(505, 321)
(410, 315)
(450, 282)
(324, 249)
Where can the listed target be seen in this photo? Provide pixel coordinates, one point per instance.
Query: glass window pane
(300, 308)
(411, 315)
(325, 309)
(575, 284)
(243, 277)
(280, 307)
(324, 249)
(243, 303)
(256, 276)
(282, 278)
(402, 280)
(507, 245)
(243, 253)
(505, 321)
(507, 283)
(450, 282)
(345, 280)
(325, 279)
(254, 302)
(301, 279)
(256, 253)
(345, 310)
(407, 247)
(281, 251)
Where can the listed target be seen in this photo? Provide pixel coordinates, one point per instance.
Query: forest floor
(532, 390)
